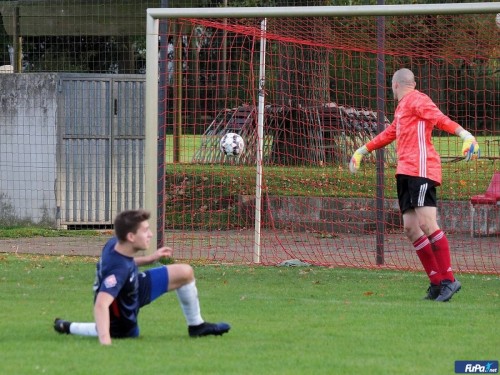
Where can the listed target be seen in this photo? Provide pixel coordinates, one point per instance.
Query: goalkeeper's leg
(409, 195)
(417, 201)
(422, 246)
(427, 217)
(441, 251)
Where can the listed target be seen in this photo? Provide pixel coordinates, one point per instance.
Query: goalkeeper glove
(470, 148)
(356, 158)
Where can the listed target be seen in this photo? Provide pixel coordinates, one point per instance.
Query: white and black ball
(232, 144)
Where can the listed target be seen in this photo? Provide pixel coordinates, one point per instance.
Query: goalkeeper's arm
(381, 140)
(356, 158)
(470, 148)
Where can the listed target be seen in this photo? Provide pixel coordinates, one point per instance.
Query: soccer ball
(232, 144)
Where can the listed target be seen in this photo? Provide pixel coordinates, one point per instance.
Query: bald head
(404, 76)
(403, 82)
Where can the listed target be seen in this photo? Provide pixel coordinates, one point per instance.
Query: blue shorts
(152, 284)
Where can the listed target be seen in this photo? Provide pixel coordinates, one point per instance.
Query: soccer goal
(305, 87)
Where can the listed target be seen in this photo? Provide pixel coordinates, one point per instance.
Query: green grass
(33, 231)
(187, 144)
(447, 146)
(451, 146)
(206, 195)
(285, 321)
(460, 179)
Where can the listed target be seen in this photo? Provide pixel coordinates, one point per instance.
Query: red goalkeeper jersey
(414, 119)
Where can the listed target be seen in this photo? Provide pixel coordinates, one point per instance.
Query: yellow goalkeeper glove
(470, 148)
(356, 158)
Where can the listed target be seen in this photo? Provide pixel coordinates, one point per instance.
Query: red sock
(442, 254)
(426, 256)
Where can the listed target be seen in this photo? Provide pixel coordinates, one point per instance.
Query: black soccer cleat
(62, 326)
(206, 329)
(448, 289)
(433, 292)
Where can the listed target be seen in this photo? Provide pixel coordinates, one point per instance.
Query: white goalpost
(260, 140)
(262, 14)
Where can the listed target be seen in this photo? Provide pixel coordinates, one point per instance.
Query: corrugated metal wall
(101, 155)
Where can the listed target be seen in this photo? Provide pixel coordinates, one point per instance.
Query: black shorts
(415, 192)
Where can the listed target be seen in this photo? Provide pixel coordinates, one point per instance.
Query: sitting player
(120, 290)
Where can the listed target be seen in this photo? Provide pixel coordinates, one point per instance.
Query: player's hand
(164, 252)
(105, 340)
(470, 148)
(356, 159)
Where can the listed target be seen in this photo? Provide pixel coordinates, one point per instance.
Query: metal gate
(101, 147)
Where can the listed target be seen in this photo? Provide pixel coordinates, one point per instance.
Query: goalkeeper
(417, 176)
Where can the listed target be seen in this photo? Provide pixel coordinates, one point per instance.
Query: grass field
(448, 146)
(460, 179)
(284, 321)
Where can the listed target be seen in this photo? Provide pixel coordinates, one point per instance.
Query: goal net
(305, 87)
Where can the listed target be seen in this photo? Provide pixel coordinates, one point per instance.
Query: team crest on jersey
(110, 281)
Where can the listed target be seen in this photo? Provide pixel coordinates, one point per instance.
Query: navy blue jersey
(117, 275)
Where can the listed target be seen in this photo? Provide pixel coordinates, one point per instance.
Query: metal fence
(72, 147)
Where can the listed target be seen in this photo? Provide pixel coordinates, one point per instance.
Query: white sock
(83, 329)
(188, 298)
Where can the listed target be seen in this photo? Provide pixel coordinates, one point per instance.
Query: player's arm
(101, 315)
(470, 147)
(163, 252)
(381, 140)
(428, 110)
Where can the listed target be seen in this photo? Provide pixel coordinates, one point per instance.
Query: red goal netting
(324, 89)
